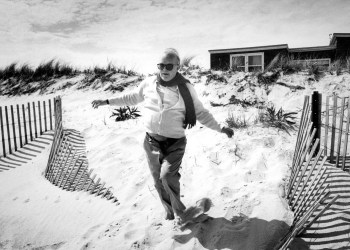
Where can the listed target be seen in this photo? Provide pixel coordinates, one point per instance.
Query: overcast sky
(132, 32)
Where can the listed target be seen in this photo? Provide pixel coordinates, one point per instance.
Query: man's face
(165, 73)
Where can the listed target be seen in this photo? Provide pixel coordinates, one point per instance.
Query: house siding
(343, 47)
(222, 60)
(269, 55)
(313, 55)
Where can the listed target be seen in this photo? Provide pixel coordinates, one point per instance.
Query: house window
(247, 62)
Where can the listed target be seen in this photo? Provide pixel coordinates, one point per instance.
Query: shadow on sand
(238, 232)
(26, 153)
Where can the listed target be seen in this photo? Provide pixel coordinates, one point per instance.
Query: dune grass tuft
(236, 121)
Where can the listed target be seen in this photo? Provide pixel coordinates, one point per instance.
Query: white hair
(172, 53)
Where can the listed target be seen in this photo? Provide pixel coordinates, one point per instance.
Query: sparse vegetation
(125, 113)
(23, 79)
(347, 64)
(44, 71)
(315, 71)
(216, 77)
(186, 61)
(236, 121)
(288, 65)
(336, 67)
(186, 65)
(267, 79)
(278, 119)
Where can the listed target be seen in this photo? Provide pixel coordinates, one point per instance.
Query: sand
(243, 177)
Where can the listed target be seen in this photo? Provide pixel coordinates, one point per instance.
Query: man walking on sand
(171, 105)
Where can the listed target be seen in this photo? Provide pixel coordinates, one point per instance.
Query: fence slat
(310, 189)
(306, 181)
(66, 172)
(55, 111)
(83, 171)
(341, 131)
(61, 150)
(24, 125)
(70, 173)
(50, 114)
(85, 180)
(19, 126)
(39, 111)
(302, 174)
(326, 127)
(100, 189)
(54, 146)
(319, 214)
(94, 186)
(8, 130)
(2, 133)
(13, 128)
(313, 194)
(301, 127)
(30, 122)
(346, 140)
(293, 178)
(333, 127)
(91, 182)
(303, 141)
(75, 175)
(45, 120)
(316, 115)
(62, 165)
(105, 192)
(35, 127)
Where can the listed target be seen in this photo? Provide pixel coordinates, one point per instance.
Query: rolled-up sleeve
(203, 115)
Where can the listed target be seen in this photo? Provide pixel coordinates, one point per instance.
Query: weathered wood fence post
(316, 109)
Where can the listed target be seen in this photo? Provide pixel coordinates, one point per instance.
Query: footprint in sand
(269, 142)
(91, 231)
(226, 192)
(253, 176)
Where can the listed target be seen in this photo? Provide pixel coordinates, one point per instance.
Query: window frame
(246, 55)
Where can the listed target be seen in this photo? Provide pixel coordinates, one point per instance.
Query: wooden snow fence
(318, 191)
(21, 125)
(67, 166)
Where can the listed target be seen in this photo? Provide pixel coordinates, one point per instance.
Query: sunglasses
(168, 66)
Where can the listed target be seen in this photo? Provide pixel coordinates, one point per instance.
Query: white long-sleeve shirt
(165, 108)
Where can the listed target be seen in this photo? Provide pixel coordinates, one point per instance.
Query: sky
(133, 33)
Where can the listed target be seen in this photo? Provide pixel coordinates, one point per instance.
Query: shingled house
(256, 58)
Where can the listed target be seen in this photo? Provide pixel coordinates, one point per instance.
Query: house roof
(247, 49)
(317, 48)
(335, 35)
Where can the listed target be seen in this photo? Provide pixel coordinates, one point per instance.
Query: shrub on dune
(236, 121)
(278, 119)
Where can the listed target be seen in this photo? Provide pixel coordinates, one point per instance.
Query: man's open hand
(97, 103)
(228, 131)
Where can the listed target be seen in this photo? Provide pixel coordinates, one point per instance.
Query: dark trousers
(164, 160)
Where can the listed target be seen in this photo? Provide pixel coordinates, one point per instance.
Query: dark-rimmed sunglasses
(168, 66)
